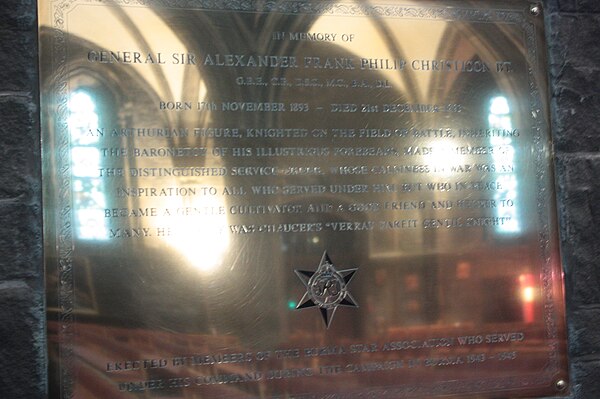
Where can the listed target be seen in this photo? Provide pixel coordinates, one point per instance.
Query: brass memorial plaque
(299, 199)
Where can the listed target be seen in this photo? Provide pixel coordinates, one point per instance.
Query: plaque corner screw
(535, 9)
(561, 385)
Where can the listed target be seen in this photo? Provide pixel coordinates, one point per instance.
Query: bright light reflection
(499, 106)
(528, 294)
(91, 224)
(504, 161)
(444, 160)
(88, 191)
(199, 232)
(82, 119)
(86, 161)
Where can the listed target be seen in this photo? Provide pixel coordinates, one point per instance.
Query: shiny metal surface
(299, 200)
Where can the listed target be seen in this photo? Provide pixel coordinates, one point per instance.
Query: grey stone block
(20, 241)
(22, 351)
(576, 97)
(575, 66)
(580, 171)
(574, 39)
(20, 149)
(18, 65)
(578, 211)
(550, 6)
(583, 333)
(585, 377)
(582, 282)
(580, 198)
(18, 14)
(580, 6)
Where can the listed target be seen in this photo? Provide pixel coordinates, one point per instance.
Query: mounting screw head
(535, 9)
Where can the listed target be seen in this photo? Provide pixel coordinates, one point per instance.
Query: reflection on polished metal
(200, 157)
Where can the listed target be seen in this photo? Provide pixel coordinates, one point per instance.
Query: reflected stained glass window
(499, 118)
(89, 200)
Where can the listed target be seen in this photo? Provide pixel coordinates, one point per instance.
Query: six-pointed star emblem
(326, 288)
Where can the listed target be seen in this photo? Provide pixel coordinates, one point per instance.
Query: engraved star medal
(326, 288)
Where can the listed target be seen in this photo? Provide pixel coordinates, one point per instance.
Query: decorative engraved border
(60, 90)
(64, 233)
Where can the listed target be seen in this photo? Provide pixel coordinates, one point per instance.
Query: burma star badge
(326, 288)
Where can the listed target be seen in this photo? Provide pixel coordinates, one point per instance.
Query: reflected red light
(528, 296)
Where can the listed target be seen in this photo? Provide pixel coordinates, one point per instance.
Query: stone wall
(22, 336)
(573, 31)
(574, 51)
